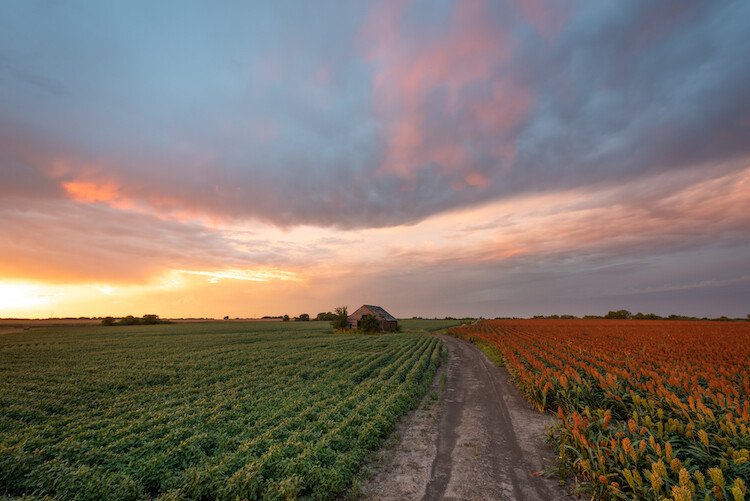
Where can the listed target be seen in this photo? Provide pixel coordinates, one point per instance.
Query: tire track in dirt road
(482, 441)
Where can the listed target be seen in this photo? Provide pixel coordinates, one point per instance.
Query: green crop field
(427, 324)
(200, 411)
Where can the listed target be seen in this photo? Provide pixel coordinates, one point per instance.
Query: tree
(285, 318)
(646, 316)
(304, 317)
(151, 319)
(108, 321)
(129, 320)
(619, 314)
(369, 323)
(339, 321)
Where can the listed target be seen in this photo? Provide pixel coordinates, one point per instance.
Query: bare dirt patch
(477, 439)
(402, 469)
(10, 330)
(44, 322)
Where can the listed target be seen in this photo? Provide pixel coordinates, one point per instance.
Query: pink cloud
(110, 193)
(655, 215)
(103, 181)
(476, 179)
(323, 75)
(445, 99)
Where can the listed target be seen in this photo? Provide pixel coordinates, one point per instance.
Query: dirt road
(479, 440)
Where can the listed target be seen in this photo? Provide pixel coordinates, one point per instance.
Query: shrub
(151, 319)
(368, 323)
(129, 320)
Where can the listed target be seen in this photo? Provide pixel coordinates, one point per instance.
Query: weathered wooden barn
(387, 321)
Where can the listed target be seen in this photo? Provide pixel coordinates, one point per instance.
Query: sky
(437, 158)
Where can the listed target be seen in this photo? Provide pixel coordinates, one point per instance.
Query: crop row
(208, 413)
(647, 410)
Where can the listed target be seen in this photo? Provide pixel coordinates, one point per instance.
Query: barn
(387, 321)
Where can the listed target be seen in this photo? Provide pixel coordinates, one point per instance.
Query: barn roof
(380, 312)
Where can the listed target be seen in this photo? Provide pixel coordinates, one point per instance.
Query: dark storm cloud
(638, 88)
(357, 115)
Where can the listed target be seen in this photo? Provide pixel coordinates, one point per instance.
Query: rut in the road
(487, 441)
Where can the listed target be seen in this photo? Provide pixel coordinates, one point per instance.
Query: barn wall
(388, 326)
(385, 325)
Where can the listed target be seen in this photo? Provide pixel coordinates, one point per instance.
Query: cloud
(442, 98)
(577, 251)
(693, 285)
(476, 152)
(64, 242)
(262, 275)
(656, 216)
(641, 246)
(369, 115)
(637, 88)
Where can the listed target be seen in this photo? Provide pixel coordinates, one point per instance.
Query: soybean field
(230, 410)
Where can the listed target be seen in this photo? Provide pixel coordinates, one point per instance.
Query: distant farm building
(387, 321)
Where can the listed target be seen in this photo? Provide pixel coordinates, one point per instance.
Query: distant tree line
(555, 317)
(303, 317)
(627, 315)
(131, 320)
(338, 318)
(326, 316)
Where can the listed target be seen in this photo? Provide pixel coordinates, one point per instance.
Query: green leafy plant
(369, 323)
(201, 411)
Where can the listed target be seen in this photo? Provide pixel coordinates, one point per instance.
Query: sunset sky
(498, 158)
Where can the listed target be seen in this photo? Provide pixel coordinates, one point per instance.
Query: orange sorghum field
(647, 409)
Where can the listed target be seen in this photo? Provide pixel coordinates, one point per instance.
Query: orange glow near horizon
(176, 294)
(318, 270)
(15, 296)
